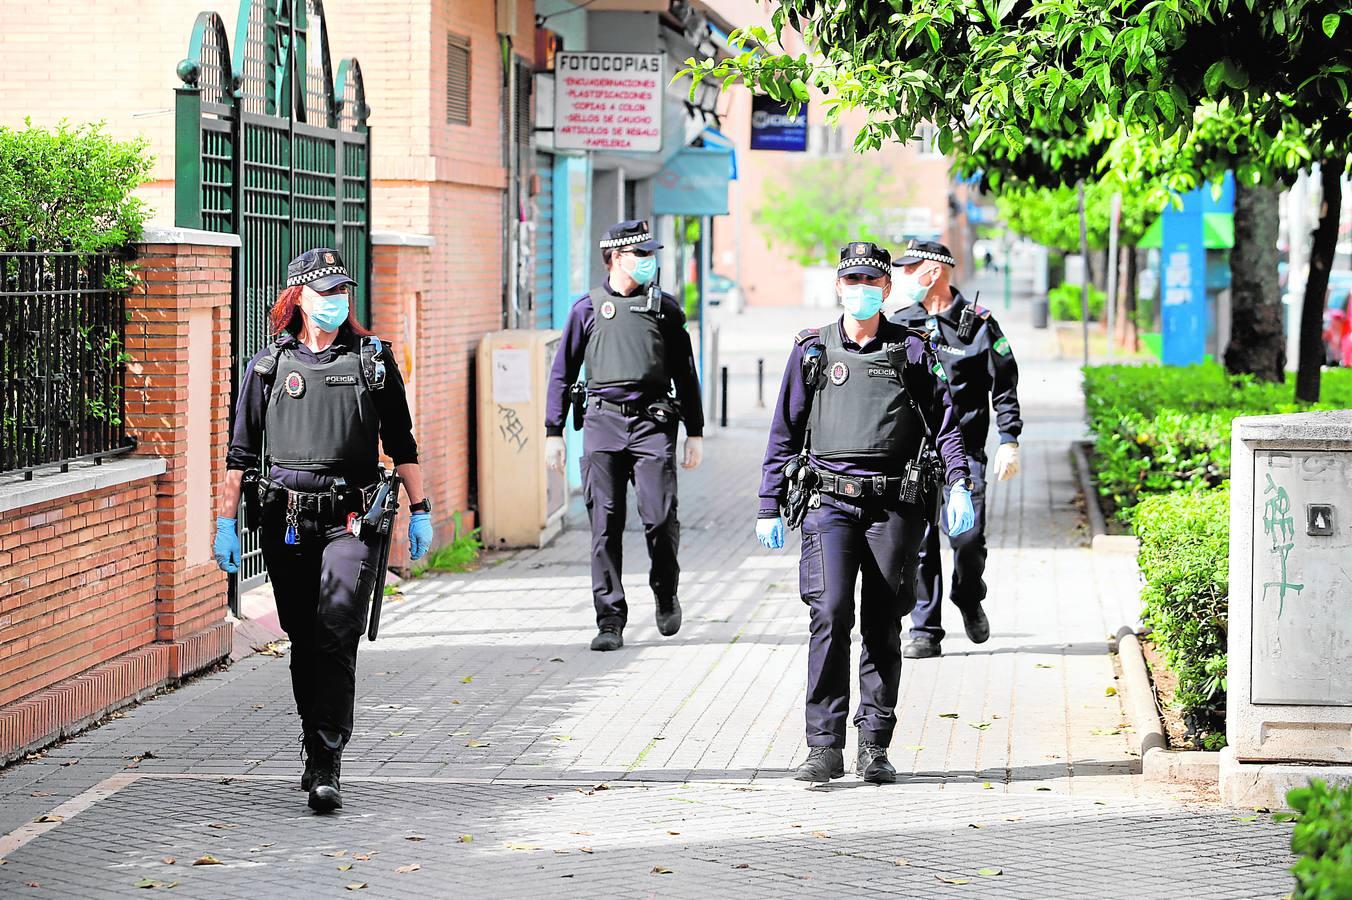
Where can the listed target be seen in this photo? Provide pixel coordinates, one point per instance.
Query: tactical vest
(321, 417)
(861, 410)
(626, 345)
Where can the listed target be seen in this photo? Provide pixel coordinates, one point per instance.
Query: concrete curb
(1099, 538)
(1159, 764)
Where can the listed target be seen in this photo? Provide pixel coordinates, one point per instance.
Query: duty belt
(853, 488)
(633, 408)
(332, 504)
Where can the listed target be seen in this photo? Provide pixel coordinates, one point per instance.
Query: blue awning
(715, 138)
(694, 182)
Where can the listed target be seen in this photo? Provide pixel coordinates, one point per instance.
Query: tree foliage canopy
(816, 204)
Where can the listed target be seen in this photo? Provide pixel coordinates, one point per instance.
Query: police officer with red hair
(326, 393)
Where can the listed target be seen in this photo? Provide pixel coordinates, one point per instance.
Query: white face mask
(911, 288)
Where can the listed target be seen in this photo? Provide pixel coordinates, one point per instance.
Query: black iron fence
(62, 359)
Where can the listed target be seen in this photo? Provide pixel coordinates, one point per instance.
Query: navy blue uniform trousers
(969, 564)
(878, 539)
(322, 584)
(618, 449)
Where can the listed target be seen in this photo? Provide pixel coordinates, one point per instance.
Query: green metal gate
(271, 147)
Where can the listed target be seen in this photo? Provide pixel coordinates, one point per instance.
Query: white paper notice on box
(511, 377)
(608, 101)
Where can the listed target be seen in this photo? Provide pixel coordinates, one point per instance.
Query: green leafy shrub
(459, 555)
(1063, 302)
(1185, 560)
(71, 185)
(1323, 839)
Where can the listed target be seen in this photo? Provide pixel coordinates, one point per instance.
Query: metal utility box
(1289, 699)
(521, 503)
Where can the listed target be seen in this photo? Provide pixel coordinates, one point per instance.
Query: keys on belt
(854, 488)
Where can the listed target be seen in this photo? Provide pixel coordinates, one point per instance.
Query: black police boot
(976, 624)
(610, 637)
(668, 616)
(822, 764)
(325, 793)
(922, 647)
(873, 765)
(308, 742)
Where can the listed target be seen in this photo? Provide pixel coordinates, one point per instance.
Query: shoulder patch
(981, 311)
(1001, 346)
(807, 335)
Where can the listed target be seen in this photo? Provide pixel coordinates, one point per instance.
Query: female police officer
(324, 391)
(857, 415)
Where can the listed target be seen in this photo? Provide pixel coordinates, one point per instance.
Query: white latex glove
(1006, 461)
(694, 452)
(555, 453)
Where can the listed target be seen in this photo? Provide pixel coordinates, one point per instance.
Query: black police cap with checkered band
(631, 234)
(864, 258)
(321, 269)
(920, 251)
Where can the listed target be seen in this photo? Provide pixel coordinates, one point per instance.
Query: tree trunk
(1317, 282)
(1126, 301)
(1257, 345)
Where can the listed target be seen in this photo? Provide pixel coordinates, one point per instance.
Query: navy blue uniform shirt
(981, 372)
(396, 425)
(788, 423)
(680, 365)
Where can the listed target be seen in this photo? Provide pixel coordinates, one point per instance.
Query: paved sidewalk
(502, 758)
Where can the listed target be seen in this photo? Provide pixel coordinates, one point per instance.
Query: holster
(577, 395)
(251, 503)
(801, 494)
(664, 411)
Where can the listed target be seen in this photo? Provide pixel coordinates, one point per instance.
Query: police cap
(321, 269)
(922, 251)
(631, 234)
(864, 258)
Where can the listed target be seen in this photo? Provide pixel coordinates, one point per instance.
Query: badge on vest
(608, 310)
(839, 373)
(340, 379)
(294, 384)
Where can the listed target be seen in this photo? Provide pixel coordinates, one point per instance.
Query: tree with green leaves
(986, 71)
(815, 204)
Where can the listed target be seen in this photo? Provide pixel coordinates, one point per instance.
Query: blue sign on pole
(772, 129)
(1183, 259)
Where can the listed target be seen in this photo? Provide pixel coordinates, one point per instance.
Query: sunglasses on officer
(861, 278)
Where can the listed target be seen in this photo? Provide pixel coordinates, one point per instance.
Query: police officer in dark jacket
(858, 414)
(325, 392)
(633, 340)
(982, 373)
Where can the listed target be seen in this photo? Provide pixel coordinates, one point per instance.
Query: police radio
(967, 321)
(653, 301)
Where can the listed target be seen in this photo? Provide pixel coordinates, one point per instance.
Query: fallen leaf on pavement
(364, 857)
(660, 870)
(586, 849)
(901, 862)
(455, 702)
(473, 743)
(467, 679)
(345, 867)
(1043, 666)
(556, 659)
(948, 715)
(464, 839)
(980, 726)
(50, 818)
(563, 737)
(741, 866)
(1110, 692)
(396, 734)
(206, 859)
(221, 825)
(602, 787)
(673, 832)
(1042, 789)
(512, 845)
(1104, 732)
(40, 794)
(952, 880)
(70, 762)
(404, 870)
(150, 883)
(974, 825)
(1246, 818)
(415, 837)
(168, 860)
(356, 885)
(459, 733)
(990, 871)
(820, 834)
(336, 853)
(33, 883)
(986, 785)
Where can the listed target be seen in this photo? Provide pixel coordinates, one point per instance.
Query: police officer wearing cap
(325, 393)
(982, 373)
(632, 338)
(859, 401)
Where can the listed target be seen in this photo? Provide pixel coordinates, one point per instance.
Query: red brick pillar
(178, 394)
(401, 276)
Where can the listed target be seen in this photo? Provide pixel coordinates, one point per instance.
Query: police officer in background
(632, 337)
(325, 392)
(859, 401)
(981, 373)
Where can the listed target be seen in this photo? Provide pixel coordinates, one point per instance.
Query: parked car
(1337, 330)
(720, 290)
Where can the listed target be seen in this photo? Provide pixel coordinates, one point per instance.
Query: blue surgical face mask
(861, 301)
(644, 269)
(329, 311)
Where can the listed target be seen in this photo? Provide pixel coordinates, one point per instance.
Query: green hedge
(1184, 559)
(1322, 838)
(1158, 429)
(1063, 302)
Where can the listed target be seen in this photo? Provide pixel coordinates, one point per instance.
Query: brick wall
(110, 592)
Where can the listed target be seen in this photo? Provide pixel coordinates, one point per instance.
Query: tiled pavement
(482, 714)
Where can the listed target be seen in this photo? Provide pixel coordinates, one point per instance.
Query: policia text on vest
(632, 338)
(871, 401)
(313, 408)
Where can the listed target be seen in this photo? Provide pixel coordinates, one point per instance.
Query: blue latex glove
(770, 532)
(961, 516)
(226, 546)
(419, 534)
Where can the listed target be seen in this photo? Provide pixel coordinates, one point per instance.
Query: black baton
(380, 518)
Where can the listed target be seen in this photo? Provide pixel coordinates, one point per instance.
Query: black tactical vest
(626, 345)
(321, 417)
(860, 410)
